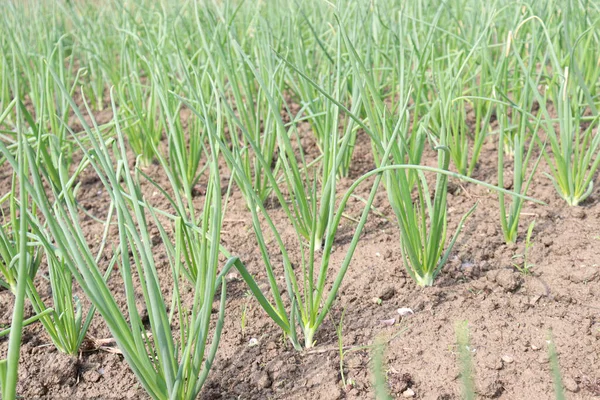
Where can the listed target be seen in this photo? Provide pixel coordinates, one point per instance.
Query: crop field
(304, 199)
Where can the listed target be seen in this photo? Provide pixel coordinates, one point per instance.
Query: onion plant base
(573, 199)
(424, 280)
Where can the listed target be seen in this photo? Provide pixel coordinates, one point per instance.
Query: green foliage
(525, 266)
(9, 366)
(278, 94)
(559, 391)
(465, 360)
(379, 375)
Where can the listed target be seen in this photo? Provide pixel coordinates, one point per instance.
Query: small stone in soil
(570, 384)
(408, 393)
(507, 359)
(387, 293)
(405, 311)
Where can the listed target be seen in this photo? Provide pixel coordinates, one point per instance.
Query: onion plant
(313, 213)
(10, 244)
(335, 76)
(422, 222)
(310, 199)
(465, 141)
(465, 360)
(185, 150)
(43, 112)
(524, 142)
(9, 366)
(167, 364)
(466, 72)
(557, 380)
(99, 38)
(324, 117)
(306, 285)
(517, 130)
(64, 321)
(574, 154)
(138, 103)
(250, 122)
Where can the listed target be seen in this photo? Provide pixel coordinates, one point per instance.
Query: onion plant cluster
(311, 207)
(168, 366)
(64, 321)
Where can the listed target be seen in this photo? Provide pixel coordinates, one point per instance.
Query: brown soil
(509, 315)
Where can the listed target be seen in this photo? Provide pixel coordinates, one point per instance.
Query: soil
(509, 315)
